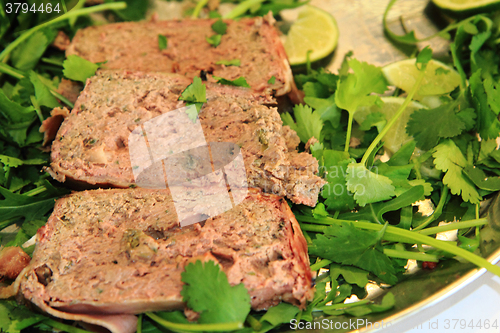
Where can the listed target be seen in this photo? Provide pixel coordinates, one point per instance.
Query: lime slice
(439, 78)
(396, 137)
(467, 5)
(314, 30)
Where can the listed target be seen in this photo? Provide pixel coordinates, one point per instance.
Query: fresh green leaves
(219, 27)
(449, 158)
(239, 82)
(42, 93)
(368, 186)
(27, 54)
(78, 69)
(335, 192)
(234, 62)
(355, 89)
(347, 245)
(195, 94)
(308, 125)
(214, 40)
(15, 317)
(446, 122)
(29, 207)
(162, 42)
(208, 292)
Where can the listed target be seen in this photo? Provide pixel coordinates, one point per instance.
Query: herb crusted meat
(134, 46)
(92, 144)
(120, 251)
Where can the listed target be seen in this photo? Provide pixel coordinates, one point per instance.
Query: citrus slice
(396, 137)
(439, 78)
(467, 5)
(314, 30)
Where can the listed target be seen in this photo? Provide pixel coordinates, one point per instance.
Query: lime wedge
(314, 30)
(396, 137)
(439, 78)
(467, 5)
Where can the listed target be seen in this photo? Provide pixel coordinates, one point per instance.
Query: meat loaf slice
(121, 251)
(134, 46)
(92, 144)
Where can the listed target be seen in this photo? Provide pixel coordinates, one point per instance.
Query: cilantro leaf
(13, 112)
(162, 42)
(335, 192)
(424, 56)
(280, 314)
(208, 292)
(376, 119)
(214, 40)
(346, 245)
(239, 82)
(449, 158)
(351, 275)
(78, 69)
(271, 80)
(30, 207)
(354, 89)
(326, 108)
(135, 10)
(367, 186)
(27, 54)
(42, 93)
(219, 27)
(14, 162)
(308, 125)
(234, 62)
(428, 125)
(481, 180)
(487, 125)
(15, 317)
(194, 94)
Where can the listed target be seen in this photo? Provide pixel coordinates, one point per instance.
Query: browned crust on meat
(134, 46)
(12, 261)
(51, 125)
(84, 261)
(92, 143)
(70, 89)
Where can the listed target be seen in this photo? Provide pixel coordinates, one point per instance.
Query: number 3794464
(23, 7)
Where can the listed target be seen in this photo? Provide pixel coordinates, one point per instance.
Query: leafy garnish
(272, 80)
(239, 82)
(42, 93)
(14, 317)
(195, 94)
(368, 186)
(214, 40)
(449, 158)
(162, 42)
(355, 90)
(347, 245)
(219, 27)
(78, 69)
(208, 292)
(308, 125)
(446, 123)
(234, 62)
